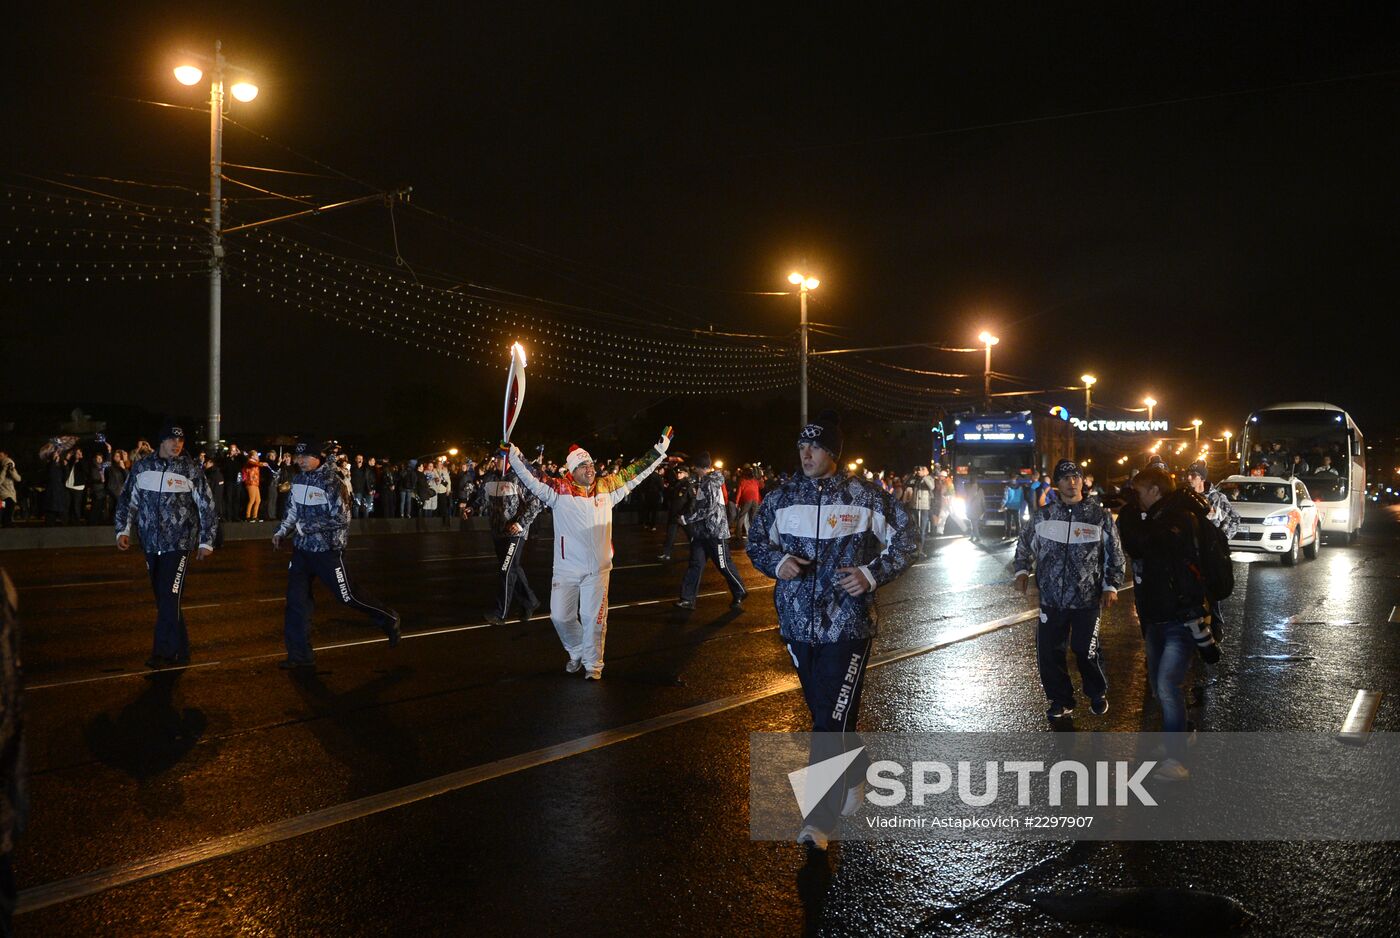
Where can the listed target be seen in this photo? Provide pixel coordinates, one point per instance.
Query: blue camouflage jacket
(708, 517)
(506, 502)
(169, 504)
(838, 522)
(318, 511)
(1075, 551)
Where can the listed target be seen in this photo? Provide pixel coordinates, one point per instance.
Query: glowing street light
(189, 74)
(1196, 428)
(1227, 434)
(1151, 402)
(804, 284)
(1089, 382)
(987, 339)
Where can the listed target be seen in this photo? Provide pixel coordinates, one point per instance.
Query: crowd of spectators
(80, 484)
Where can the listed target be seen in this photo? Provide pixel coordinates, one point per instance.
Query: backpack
(1213, 552)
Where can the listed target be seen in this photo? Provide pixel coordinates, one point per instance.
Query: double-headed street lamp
(804, 285)
(1089, 382)
(987, 339)
(245, 91)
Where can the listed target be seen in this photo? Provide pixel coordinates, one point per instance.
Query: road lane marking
(60, 586)
(450, 630)
(377, 640)
(1394, 614)
(1356, 728)
(98, 881)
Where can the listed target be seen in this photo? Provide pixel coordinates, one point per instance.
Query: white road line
(88, 884)
(1356, 728)
(1394, 614)
(64, 586)
(378, 640)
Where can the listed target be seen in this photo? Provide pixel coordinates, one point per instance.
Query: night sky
(1185, 200)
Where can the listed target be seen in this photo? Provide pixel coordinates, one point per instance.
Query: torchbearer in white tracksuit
(582, 505)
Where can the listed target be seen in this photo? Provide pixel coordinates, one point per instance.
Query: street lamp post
(1196, 427)
(1227, 435)
(1089, 382)
(804, 284)
(243, 91)
(1151, 403)
(987, 339)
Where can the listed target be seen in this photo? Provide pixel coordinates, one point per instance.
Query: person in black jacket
(1158, 529)
(680, 499)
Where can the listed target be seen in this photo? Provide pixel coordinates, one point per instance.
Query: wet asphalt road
(603, 835)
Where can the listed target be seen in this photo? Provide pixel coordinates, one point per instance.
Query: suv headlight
(1276, 519)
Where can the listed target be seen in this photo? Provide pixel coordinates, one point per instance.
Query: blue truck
(990, 452)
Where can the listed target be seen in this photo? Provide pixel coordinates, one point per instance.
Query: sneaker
(574, 666)
(813, 838)
(287, 664)
(663, 556)
(594, 674)
(1160, 752)
(855, 797)
(1099, 706)
(685, 604)
(493, 619)
(1059, 711)
(738, 602)
(1172, 771)
(530, 612)
(391, 629)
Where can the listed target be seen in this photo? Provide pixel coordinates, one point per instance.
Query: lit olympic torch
(515, 391)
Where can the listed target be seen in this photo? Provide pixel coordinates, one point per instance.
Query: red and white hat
(577, 457)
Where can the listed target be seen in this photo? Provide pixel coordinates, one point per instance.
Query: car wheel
(1312, 549)
(1290, 558)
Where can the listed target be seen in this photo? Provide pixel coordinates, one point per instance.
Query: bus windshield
(1306, 443)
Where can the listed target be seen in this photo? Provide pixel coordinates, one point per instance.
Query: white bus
(1331, 444)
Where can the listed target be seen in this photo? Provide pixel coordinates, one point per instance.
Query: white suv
(1277, 516)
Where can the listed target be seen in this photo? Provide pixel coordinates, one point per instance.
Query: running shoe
(813, 838)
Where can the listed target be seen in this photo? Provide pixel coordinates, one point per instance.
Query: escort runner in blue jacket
(1073, 544)
(709, 537)
(830, 540)
(167, 500)
(511, 508)
(318, 520)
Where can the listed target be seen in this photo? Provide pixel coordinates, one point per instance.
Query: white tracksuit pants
(578, 606)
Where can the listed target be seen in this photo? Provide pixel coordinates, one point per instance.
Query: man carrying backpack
(1176, 554)
(1222, 514)
(1073, 545)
